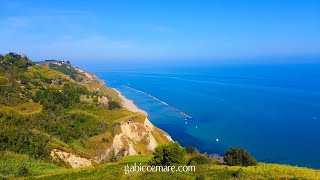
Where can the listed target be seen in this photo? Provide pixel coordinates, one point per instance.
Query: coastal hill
(58, 115)
(60, 122)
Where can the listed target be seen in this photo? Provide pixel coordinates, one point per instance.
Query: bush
(237, 174)
(199, 159)
(22, 171)
(168, 154)
(191, 149)
(114, 105)
(239, 157)
(113, 157)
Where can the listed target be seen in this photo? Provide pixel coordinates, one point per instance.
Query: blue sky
(151, 30)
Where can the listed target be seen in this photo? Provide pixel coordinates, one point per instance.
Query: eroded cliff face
(73, 160)
(133, 138)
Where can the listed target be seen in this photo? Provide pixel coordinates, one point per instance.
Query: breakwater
(173, 108)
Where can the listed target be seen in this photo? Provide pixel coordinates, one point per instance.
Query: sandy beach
(127, 103)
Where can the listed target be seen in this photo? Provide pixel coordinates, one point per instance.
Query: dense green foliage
(13, 62)
(65, 69)
(191, 149)
(168, 154)
(54, 99)
(12, 68)
(114, 105)
(239, 157)
(21, 140)
(17, 165)
(199, 159)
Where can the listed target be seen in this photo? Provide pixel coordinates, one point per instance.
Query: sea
(271, 110)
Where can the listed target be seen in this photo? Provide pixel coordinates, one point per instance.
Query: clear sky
(151, 30)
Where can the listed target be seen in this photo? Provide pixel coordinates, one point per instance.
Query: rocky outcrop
(134, 138)
(73, 160)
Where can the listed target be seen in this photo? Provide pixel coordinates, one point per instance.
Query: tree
(191, 149)
(168, 154)
(239, 157)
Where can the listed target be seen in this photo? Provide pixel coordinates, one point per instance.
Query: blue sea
(273, 111)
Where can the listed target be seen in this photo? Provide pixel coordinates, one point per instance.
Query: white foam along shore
(166, 104)
(129, 104)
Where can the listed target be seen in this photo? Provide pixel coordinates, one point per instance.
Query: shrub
(238, 157)
(104, 140)
(22, 171)
(168, 154)
(199, 159)
(237, 174)
(201, 177)
(113, 157)
(191, 149)
(114, 105)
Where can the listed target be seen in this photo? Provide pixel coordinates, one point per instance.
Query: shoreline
(162, 102)
(129, 104)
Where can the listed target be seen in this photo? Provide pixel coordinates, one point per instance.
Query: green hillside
(59, 122)
(46, 107)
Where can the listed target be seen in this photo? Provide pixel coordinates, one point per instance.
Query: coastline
(129, 104)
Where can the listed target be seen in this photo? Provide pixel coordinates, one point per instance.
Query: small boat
(196, 126)
(217, 140)
(186, 122)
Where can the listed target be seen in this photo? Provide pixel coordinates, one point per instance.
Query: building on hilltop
(56, 62)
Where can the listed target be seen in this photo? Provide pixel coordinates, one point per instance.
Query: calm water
(273, 111)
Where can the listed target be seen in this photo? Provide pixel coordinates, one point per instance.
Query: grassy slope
(103, 115)
(27, 108)
(33, 127)
(116, 171)
(12, 163)
(23, 110)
